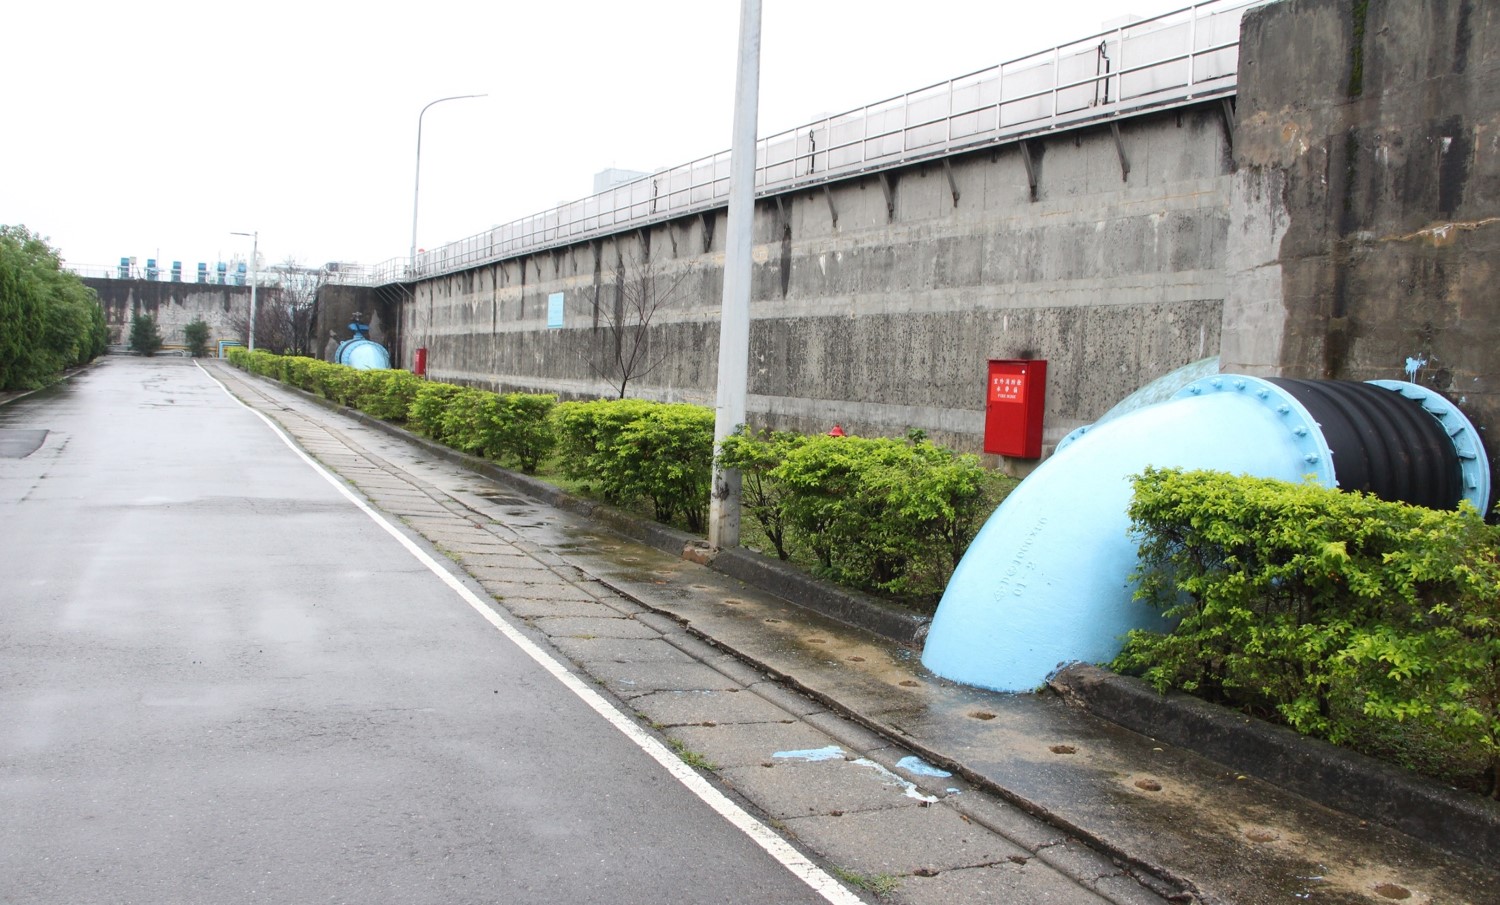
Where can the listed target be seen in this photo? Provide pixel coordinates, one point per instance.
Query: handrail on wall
(1184, 56)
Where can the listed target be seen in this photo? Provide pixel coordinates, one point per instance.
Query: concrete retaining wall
(877, 303)
(174, 305)
(1365, 210)
(1340, 220)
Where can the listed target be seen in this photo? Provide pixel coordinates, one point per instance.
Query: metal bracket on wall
(1226, 105)
(706, 221)
(890, 198)
(1114, 128)
(1030, 167)
(644, 239)
(832, 212)
(782, 218)
(952, 183)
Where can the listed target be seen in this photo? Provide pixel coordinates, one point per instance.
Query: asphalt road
(221, 681)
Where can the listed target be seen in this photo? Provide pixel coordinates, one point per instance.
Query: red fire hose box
(1015, 398)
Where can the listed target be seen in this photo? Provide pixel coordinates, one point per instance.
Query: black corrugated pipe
(1382, 442)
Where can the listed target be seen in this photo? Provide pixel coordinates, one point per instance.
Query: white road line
(777, 847)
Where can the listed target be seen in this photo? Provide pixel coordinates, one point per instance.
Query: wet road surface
(221, 681)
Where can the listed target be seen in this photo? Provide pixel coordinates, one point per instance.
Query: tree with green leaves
(49, 320)
(145, 336)
(196, 336)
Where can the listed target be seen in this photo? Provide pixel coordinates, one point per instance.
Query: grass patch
(880, 884)
(690, 757)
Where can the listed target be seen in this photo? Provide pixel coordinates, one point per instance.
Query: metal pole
(254, 265)
(254, 272)
(734, 323)
(417, 182)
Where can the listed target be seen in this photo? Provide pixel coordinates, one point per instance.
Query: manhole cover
(18, 444)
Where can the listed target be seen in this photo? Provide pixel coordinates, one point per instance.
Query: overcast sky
(156, 129)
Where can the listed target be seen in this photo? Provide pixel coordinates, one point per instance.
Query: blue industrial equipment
(239, 274)
(361, 352)
(151, 271)
(124, 268)
(202, 272)
(177, 271)
(221, 268)
(1047, 580)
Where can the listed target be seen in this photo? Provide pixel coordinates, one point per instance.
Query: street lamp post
(417, 183)
(254, 265)
(739, 245)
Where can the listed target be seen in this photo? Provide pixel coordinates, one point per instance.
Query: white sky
(156, 128)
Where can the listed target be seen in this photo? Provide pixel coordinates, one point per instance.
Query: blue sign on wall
(555, 310)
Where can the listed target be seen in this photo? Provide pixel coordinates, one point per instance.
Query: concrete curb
(792, 584)
(1464, 824)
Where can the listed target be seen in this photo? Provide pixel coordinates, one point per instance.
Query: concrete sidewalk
(1047, 803)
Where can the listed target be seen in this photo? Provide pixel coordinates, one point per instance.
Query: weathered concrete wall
(1365, 210)
(335, 307)
(882, 317)
(226, 309)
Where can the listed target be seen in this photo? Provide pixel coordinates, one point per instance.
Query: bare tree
(623, 312)
(284, 310)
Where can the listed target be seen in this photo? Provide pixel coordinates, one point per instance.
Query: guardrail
(265, 279)
(1187, 55)
(1184, 56)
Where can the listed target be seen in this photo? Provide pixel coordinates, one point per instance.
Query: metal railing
(1184, 56)
(265, 279)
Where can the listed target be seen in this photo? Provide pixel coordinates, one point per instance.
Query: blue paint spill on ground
(832, 752)
(916, 766)
(909, 787)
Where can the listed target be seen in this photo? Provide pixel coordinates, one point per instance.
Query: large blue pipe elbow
(1047, 580)
(362, 354)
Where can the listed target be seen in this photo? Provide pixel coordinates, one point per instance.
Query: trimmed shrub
(631, 451)
(511, 428)
(762, 496)
(876, 514)
(195, 335)
(526, 434)
(387, 395)
(425, 415)
(1371, 624)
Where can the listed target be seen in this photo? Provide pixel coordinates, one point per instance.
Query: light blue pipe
(1047, 580)
(362, 354)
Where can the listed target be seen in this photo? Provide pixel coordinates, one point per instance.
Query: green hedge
(512, 428)
(882, 515)
(630, 450)
(879, 514)
(1374, 625)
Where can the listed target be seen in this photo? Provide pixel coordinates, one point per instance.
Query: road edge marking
(769, 841)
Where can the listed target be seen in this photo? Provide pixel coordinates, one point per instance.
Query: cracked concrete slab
(998, 883)
(902, 840)
(694, 708)
(743, 744)
(787, 789)
(582, 627)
